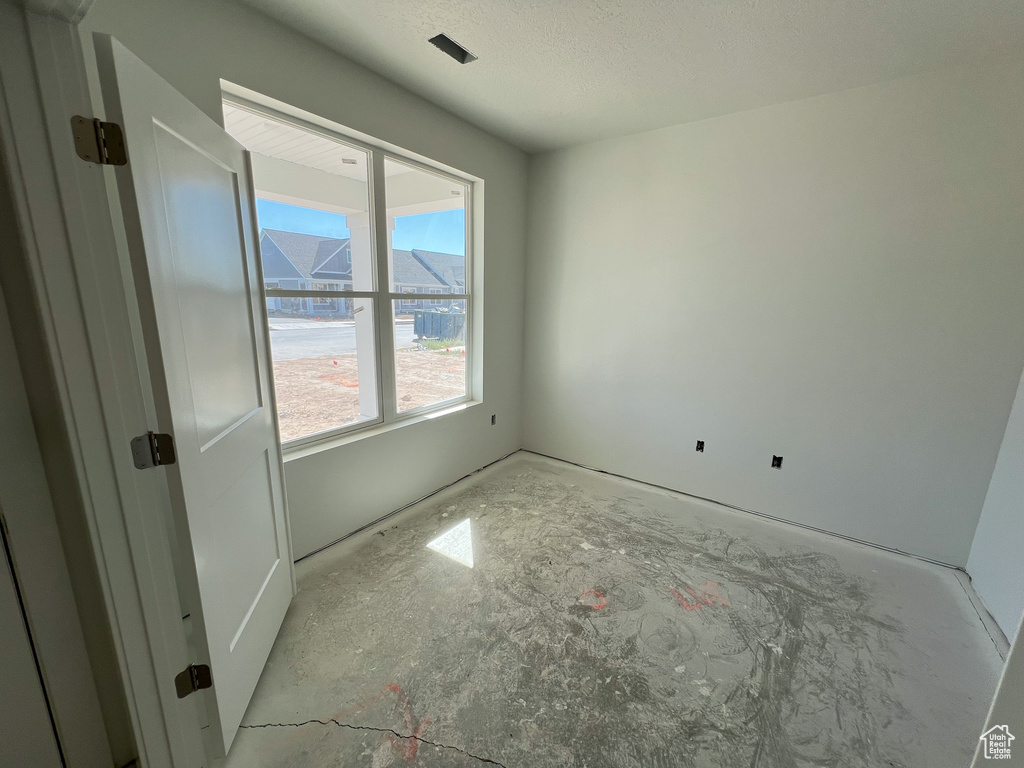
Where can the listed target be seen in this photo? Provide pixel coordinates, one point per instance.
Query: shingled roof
(308, 254)
(411, 271)
(276, 266)
(449, 268)
(297, 256)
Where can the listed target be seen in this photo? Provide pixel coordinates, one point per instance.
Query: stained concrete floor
(607, 623)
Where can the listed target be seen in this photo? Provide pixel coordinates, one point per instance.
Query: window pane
(430, 352)
(427, 230)
(313, 203)
(325, 373)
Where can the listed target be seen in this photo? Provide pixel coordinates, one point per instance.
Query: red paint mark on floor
(711, 588)
(686, 603)
(703, 597)
(601, 602)
(407, 748)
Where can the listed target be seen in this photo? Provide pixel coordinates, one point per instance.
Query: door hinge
(195, 677)
(153, 450)
(98, 142)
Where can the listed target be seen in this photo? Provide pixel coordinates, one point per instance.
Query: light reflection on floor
(456, 543)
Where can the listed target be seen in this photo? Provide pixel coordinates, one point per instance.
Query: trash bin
(431, 324)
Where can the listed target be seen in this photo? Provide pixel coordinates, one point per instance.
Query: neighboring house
(296, 261)
(419, 271)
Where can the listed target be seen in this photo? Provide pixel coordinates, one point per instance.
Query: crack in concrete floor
(390, 731)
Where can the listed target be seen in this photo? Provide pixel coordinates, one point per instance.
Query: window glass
(427, 223)
(320, 258)
(309, 184)
(324, 369)
(430, 354)
(322, 346)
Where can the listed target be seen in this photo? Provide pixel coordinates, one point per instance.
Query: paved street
(293, 339)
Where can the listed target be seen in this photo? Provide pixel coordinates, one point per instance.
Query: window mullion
(301, 293)
(385, 311)
(438, 296)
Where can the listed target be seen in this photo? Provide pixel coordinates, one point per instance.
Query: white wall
(839, 280)
(996, 563)
(195, 43)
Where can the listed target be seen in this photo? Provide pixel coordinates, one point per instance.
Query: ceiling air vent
(452, 48)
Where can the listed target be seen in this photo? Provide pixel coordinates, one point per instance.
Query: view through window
(427, 266)
(360, 333)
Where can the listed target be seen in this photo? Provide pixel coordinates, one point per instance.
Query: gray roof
(337, 265)
(408, 270)
(293, 255)
(448, 267)
(307, 253)
(276, 265)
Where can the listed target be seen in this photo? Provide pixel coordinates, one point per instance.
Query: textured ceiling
(564, 72)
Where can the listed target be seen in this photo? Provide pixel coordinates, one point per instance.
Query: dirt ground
(319, 393)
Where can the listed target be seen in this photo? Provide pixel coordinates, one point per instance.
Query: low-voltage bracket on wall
(98, 142)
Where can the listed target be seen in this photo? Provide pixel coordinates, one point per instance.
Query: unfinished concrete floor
(606, 623)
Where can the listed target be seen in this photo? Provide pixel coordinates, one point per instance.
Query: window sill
(301, 451)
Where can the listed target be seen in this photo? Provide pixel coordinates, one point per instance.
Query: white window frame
(382, 297)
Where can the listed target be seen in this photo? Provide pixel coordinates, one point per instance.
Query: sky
(444, 231)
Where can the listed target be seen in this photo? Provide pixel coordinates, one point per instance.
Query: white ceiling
(563, 72)
(284, 141)
(263, 134)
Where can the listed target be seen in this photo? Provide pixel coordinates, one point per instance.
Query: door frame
(85, 316)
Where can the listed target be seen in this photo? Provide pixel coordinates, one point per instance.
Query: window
(428, 257)
(369, 306)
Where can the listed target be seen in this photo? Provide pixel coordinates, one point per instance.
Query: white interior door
(188, 209)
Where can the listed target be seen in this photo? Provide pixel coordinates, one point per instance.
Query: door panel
(188, 206)
(251, 491)
(199, 193)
